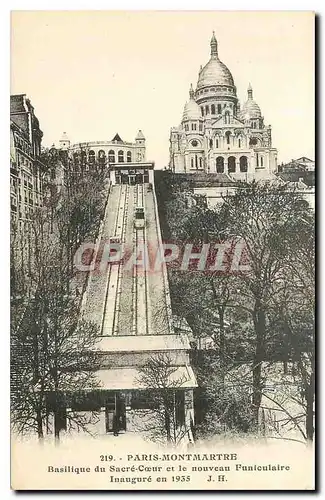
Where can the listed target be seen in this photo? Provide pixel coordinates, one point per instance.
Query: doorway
(115, 406)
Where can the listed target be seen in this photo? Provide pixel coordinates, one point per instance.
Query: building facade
(302, 168)
(86, 155)
(26, 168)
(216, 135)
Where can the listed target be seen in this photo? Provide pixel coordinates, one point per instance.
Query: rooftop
(135, 343)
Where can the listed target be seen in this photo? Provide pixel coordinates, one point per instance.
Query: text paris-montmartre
(182, 457)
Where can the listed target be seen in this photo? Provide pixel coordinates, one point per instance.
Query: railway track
(126, 296)
(112, 295)
(140, 274)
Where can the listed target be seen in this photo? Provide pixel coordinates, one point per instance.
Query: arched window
(196, 163)
(101, 157)
(219, 109)
(202, 110)
(217, 143)
(75, 158)
(228, 134)
(213, 109)
(231, 164)
(227, 117)
(220, 165)
(111, 156)
(120, 156)
(211, 143)
(91, 156)
(257, 160)
(192, 163)
(83, 156)
(239, 142)
(243, 163)
(261, 161)
(129, 156)
(206, 110)
(200, 163)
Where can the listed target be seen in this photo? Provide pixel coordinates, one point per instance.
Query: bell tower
(140, 141)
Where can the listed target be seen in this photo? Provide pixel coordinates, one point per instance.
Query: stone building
(26, 168)
(302, 168)
(299, 176)
(216, 135)
(85, 155)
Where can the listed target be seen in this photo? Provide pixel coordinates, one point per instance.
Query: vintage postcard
(162, 188)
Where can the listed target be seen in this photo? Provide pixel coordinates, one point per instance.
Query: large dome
(215, 72)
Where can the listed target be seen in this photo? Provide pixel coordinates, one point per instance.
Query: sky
(95, 73)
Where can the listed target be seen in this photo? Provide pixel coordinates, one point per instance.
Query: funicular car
(139, 220)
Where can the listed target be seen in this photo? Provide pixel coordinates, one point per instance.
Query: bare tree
(53, 350)
(164, 421)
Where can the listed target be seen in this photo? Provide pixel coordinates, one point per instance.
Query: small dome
(191, 111)
(140, 135)
(64, 137)
(250, 108)
(215, 72)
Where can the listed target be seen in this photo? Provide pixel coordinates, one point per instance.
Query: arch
(129, 157)
(243, 163)
(91, 156)
(111, 156)
(213, 109)
(228, 134)
(83, 157)
(101, 157)
(231, 164)
(207, 110)
(220, 165)
(120, 156)
(211, 143)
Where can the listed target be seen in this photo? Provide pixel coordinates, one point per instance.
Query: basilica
(216, 135)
